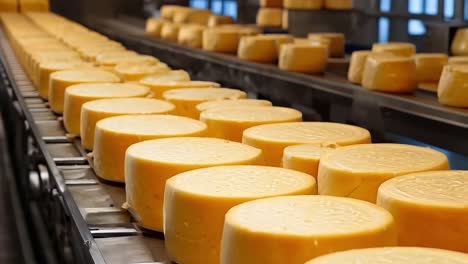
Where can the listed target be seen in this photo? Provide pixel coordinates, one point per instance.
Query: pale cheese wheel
(187, 99)
(262, 48)
(458, 60)
(191, 36)
(231, 103)
(451, 90)
(216, 20)
(230, 122)
(303, 58)
(358, 171)
(150, 163)
(392, 74)
(94, 111)
(135, 71)
(225, 39)
(429, 66)
(274, 138)
(336, 42)
(459, 45)
(394, 255)
(303, 4)
(170, 31)
(60, 80)
(77, 95)
(109, 157)
(200, 198)
(153, 27)
(269, 17)
(339, 4)
(268, 230)
(430, 208)
(396, 48)
(305, 157)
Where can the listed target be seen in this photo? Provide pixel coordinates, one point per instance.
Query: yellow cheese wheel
(195, 203)
(187, 99)
(271, 3)
(336, 42)
(94, 111)
(305, 157)
(112, 58)
(430, 208)
(269, 230)
(60, 80)
(109, 157)
(274, 138)
(216, 20)
(229, 123)
(396, 48)
(231, 103)
(262, 48)
(191, 35)
(191, 16)
(356, 65)
(34, 6)
(167, 11)
(458, 60)
(303, 4)
(339, 4)
(170, 31)
(8, 6)
(451, 90)
(303, 58)
(150, 163)
(90, 54)
(394, 255)
(393, 74)
(358, 171)
(459, 45)
(135, 71)
(153, 27)
(269, 17)
(77, 95)
(429, 66)
(225, 39)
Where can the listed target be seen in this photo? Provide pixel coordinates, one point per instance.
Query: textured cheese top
(112, 57)
(169, 77)
(129, 106)
(435, 189)
(383, 158)
(311, 215)
(85, 75)
(63, 65)
(307, 151)
(460, 68)
(247, 114)
(242, 181)
(393, 255)
(161, 125)
(141, 67)
(107, 90)
(458, 60)
(232, 103)
(114, 60)
(309, 132)
(193, 151)
(204, 94)
(397, 48)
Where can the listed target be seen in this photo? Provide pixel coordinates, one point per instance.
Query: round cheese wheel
(451, 91)
(339, 4)
(134, 71)
(395, 48)
(459, 43)
(191, 35)
(216, 20)
(170, 31)
(225, 39)
(168, 11)
(230, 122)
(358, 171)
(149, 164)
(394, 255)
(303, 58)
(231, 103)
(161, 82)
(305, 157)
(429, 66)
(262, 48)
(273, 138)
(458, 60)
(192, 16)
(430, 208)
(60, 80)
(356, 65)
(93, 111)
(303, 4)
(336, 42)
(200, 198)
(77, 95)
(112, 58)
(109, 157)
(187, 99)
(153, 27)
(268, 230)
(270, 17)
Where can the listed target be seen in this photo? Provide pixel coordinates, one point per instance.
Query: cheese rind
(336, 42)
(429, 66)
(305, 157)
(200, 198)
(262, 48)
(358, 171)
(225, 39)
(273, 138)
(170, 31)
(115, 134)
(231, 103)
(356, 65)
(135, 71)
(430, 208)
(459, 45)
(458, 60)
(161, 82)
(303, 58)
(269, 17)
(268, 230)
(452, 86)
(150, 163)
(191, 36)
(395, 48)
(153, 27)
(216, 20)
(303, 4)
(94, 111)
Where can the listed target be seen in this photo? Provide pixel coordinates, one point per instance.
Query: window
(385, 5)
(221, 7)
(416, 27)
(431, 7)
(416, 6)
(384, 29)
(449, 8)
(199, 3)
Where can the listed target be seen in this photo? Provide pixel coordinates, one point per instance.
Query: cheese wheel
(170, 31)
(451, 90)
(153, 27)
(109, 157)
(271, 3)
(303, 4)
(393, 74)
(269, 17)
(192, 16)
(191, 36)
(358, 171)
(134, 71)
(33, 6)
(200, 198)
(429, 66)
(60, 80)
(8, 6)
(231, 103)
(225, 39)
(303, 58)
(112, 58)
(167, 11)
(94, 111)
(430, 208)
(339, 4)
(394, 255)
(458, 60)
(396, 48)
(149, 164)
(305, 157)
(187, 99)
(459, 45)
(216, 20)
(336, 42)
(90, 54)
(274, 138)
(358, 62)
(268, 230)
(77, 95)
(262, 48)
